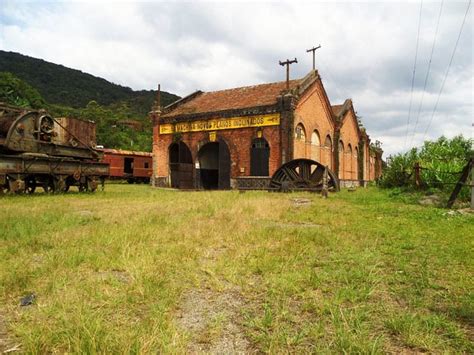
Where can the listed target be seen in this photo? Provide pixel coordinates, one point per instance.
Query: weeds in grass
(360, 272)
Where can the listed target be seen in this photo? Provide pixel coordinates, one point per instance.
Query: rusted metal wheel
(83, 187)
(48, 186)
(92, 185)
(3, 189)
(60, 185)
(30, 185)
(16, 186)
(303, 174)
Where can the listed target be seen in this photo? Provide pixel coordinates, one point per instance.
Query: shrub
(441, 161)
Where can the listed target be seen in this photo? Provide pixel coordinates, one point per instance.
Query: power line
(447, 71)
(414, 71)
(427, 73)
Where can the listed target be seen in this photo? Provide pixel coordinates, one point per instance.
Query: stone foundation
(160, 181)
(251, 183)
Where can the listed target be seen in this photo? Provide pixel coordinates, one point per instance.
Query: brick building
(241, 136)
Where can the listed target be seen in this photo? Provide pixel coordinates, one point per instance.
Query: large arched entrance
(181, 166)
(214, 166)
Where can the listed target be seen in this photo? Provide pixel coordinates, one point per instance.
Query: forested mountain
(35, 83)
(63, 86)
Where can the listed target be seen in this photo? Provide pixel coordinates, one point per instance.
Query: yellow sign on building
(221, 123)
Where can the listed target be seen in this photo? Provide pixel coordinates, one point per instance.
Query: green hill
(63, 86)
(35, 83)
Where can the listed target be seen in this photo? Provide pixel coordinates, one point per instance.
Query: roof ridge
(252, 86)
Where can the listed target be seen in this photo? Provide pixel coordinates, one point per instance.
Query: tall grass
(358, 272)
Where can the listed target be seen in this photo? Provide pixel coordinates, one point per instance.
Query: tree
(14, 91)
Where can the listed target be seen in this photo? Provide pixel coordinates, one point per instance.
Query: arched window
(259, 157)
(300, 142)
(340, 154)
(300, 133)
(328, 151)
(328, 142)
(315, 146)
(315, 138)
(349, 162)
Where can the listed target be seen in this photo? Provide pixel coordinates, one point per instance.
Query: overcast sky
(367, 54)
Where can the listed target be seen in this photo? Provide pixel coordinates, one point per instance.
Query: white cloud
(367, 51)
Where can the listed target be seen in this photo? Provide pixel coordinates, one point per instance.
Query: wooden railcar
(133, 166)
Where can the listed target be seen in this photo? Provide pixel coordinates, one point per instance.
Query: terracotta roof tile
(125, 152)
(231, 99)
(336, 109)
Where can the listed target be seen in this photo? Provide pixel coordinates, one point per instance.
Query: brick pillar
(286, 104)
(337, 163)
(360, 160)
(155, 118)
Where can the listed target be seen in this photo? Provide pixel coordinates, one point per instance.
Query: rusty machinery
(304, 174)
(39, 150)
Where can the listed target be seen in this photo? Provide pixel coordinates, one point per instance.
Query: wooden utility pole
(158, 98)
(417, 169)
(472, 189)
(313, 50)
(462, 181)
(324, 190)
(287, 63)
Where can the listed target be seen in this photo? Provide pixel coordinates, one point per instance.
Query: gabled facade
(240, 137)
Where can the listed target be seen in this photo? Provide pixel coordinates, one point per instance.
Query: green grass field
(138, 270)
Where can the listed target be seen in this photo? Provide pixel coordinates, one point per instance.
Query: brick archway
(214, 166)
(180, 166)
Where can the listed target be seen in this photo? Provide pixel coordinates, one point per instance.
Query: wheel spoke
(317, 174)
(304, 168)
(292, 173)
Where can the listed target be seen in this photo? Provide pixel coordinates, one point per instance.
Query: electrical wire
(414, 71)
(447, 71)
(427, 72)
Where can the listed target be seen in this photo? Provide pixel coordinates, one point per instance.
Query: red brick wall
(349, 135)
(313, 113)
(239, 142)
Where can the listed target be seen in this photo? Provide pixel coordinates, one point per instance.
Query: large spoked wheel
(82, 187)
(303, 174)
(60, 185)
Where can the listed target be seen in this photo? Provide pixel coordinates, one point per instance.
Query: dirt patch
(297, 225)
(301, 202)
(212, 320)
(211, 254)
(119, 275)
(7, 344)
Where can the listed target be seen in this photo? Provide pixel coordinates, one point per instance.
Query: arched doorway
(259, 157)
(214, 166)
(181, 166)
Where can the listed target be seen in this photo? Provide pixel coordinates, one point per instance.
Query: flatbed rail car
(132, 166)
(55, 154)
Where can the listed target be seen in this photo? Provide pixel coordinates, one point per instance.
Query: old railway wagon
(53, 153)
(133, 166)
